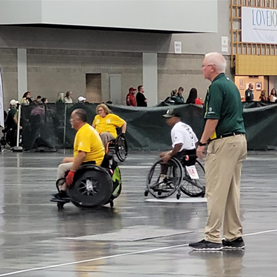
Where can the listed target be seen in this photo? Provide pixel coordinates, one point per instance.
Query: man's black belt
(229, 135)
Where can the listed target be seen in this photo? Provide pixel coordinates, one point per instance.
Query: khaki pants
(223, 173)
(62, 169)
(106, 137)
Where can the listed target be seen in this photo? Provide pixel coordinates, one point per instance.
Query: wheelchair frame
(177, 179)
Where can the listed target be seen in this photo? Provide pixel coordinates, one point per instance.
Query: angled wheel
(92, 187)
(121, 148)
(162, 188)
(194, 187)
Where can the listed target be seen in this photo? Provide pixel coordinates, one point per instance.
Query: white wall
(208, 42)
(172, 15)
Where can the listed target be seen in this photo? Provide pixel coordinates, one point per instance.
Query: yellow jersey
(88, 140)
(107, 123)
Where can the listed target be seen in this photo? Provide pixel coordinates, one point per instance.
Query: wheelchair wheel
(121, 148)
(164, 188)
(92, 187)
(194, 187)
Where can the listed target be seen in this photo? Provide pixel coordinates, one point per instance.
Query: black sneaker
(235, 244)
(205, 245)
(62, 195)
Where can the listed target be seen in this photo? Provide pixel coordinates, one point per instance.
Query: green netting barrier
(49, 126)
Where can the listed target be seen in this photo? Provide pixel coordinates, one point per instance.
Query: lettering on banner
(259, 25)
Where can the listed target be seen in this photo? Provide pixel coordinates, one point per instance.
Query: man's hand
(69, 178)
(122, 135)
(165, 156)
(200, 152)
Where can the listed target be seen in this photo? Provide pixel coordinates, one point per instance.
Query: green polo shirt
(223, 102)
(179, 99)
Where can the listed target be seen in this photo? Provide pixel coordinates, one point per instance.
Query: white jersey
(183, 133)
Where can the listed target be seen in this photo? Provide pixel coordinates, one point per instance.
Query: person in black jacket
(141, 99)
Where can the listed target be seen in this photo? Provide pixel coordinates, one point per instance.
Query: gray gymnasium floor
(137, 237)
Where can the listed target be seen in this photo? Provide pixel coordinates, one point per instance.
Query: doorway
(93, 88)
(115, 89)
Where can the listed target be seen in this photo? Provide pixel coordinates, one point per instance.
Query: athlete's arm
(177, 147)
(124, 127)
(78, 160)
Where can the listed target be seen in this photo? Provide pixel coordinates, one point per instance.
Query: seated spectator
(263, 97)
(192, 98)
(130, 98)
(273, 96)
(44, 100)
(179, 99)
(106, 123)
(68, 97)
(26, 99)
(11, 121)
(38, 100)
(13, 113)
(87, 148)
(173, 93)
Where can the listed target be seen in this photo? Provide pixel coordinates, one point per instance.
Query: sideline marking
(259, 233)
(92, 260)
(115, 256)
(55, 168)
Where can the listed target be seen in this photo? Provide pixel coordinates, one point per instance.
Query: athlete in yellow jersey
(88, 147)
(106, 123)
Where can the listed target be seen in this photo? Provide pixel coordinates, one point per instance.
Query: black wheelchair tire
(194, 188)
(101, 184)
(121, 149)
(177, 175)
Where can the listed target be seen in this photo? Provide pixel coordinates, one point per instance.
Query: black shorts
(181, 156)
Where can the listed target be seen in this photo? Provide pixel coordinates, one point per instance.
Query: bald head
(217, 60)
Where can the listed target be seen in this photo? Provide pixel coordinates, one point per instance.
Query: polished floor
(139, 237)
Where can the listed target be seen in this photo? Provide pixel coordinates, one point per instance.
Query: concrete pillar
(150, 77)
(21, 72)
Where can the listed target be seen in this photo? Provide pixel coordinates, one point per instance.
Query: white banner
(1, 101)
(259, 25)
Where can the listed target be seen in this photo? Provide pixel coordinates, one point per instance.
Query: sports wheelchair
(118, 147)
(188, 178)
(93, 186)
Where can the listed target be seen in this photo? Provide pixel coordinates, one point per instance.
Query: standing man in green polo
(224, 133)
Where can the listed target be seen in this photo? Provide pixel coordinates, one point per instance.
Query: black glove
(122, 135)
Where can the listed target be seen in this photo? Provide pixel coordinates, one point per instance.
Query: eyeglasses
(203, 65)
(101, 110)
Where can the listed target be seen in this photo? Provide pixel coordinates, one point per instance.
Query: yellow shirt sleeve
(87, 140)
(117, 121)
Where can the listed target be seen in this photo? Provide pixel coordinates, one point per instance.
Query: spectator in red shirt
(130, 98)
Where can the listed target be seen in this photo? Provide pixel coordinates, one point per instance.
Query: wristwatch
(202, 144)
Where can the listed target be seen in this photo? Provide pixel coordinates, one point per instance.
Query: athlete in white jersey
(182, 136)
